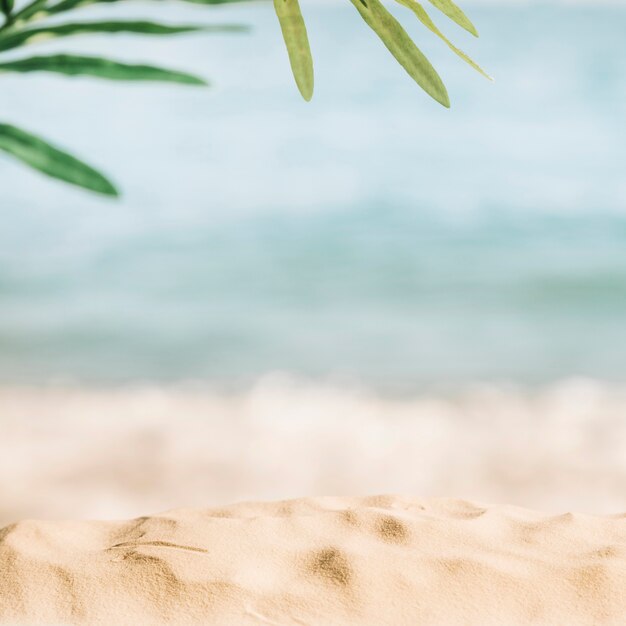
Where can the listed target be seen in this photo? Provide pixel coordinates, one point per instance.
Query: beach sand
(108, 454)
(88, 453)
(370, 561)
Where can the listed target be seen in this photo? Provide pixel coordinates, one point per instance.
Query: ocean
(370, 238)
(365, 294)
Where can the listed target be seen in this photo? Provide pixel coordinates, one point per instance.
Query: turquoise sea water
(370, 236)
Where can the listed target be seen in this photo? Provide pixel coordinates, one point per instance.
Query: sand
(88, 453)
(370, 561)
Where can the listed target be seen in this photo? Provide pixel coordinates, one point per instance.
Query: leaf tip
(443, 98)
(307, 94)
(199, 82)
(107, 188)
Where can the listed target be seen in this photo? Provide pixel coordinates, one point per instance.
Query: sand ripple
(376, 560)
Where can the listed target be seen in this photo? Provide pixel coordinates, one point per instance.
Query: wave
(98, 453)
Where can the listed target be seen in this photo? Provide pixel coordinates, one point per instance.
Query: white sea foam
(117, 453)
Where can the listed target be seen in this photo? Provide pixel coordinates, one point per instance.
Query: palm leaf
(100, 68)
(39, 6)
(215, 1)
(449, 8)
(28, 11)
(297, 42)
(48, 159)
(424, 18)
(6, 6)
(14, 39)
(403, 49)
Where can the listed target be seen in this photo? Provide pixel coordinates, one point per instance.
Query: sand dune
(376, 560)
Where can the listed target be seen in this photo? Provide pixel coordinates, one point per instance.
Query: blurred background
(365, 293)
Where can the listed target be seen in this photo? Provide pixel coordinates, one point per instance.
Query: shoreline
(117, 453)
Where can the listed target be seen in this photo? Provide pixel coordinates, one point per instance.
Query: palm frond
(30, 24)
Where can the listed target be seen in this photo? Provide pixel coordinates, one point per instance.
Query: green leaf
(295, 36)
(41, 156)
(6, 6)
(32, 35)
(424, 18)
(403, 49)
(28, 11)
(41, 8)
(215, 1)
(447, 7)
(101, 68)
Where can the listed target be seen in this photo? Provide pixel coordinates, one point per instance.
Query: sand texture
(76, 453)
(376, 560)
